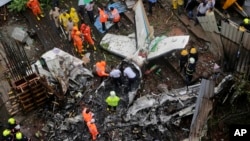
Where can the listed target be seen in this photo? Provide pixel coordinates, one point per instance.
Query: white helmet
(191, 60)
(112, 93)
(92, 120)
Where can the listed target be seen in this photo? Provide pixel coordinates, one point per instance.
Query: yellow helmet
(19, 135)
(73, 9)
(184, 52)
(6, 132)
(11, 121)
(193, 50)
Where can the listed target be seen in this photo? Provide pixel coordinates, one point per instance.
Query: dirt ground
(164, 24)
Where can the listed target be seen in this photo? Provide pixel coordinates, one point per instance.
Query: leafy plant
(45, 4)
(17, 5)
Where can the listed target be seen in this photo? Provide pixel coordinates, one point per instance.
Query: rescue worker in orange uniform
(78, 42)
(73, 32)
(74, 16)
(93, 129)
(34, 5)
(116, 16)
(100, 68)
(87, 115)
(87, 37)
(103, 18)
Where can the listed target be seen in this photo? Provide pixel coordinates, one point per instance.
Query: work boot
(37, 18)
(87, 46)
(94, 48)
(76, 49)
(42, 15)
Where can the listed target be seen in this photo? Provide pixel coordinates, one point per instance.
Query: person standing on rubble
(69, 28)
(183, 59)
(115, 17)
(90, 7)
(7, 135)
(87, 115)
(201, 11)
(73, 33)
(112, 101)
(74, 16)
(81, 9)
(130, 75)
(151, 4)
(78, 42)
(12, 125)
(246, 23)
(87, 37)
(100, 68)
(190, 69)
(103, 17)
(93, 129)
(115, 74)
(194, 54)
(34, 5)
(54, 13)
(64, 19)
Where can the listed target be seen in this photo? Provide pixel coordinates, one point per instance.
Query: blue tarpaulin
(121, 7)
(3, 2)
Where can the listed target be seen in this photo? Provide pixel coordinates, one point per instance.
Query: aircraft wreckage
(146, 118)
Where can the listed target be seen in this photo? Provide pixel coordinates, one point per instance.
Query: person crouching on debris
(7, 135)
(112, 101)
(190, 67)
(54, 13)
(88, 38)
(34, 5)
(20, 137)
(78, 43)
(183, 59)
(63, 19)
(74, 16)
(130, 75)
(193, 53)
(87, 114)
(115, 74)
(100, 68)
(115, 16)
(93, 129)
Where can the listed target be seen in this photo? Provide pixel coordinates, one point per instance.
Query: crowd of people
(187, 63)
(71, 22)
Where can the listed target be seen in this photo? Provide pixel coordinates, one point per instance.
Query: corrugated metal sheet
(245, 40)
(231, 32)
(208, 23)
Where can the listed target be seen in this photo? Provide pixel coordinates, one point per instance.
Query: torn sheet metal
(61, 66)
(3, 2)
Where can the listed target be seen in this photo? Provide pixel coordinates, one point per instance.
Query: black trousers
(91, 16)
(103, 26)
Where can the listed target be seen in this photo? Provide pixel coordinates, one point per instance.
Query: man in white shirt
(115, 74)
(131, 75)
(89, 7)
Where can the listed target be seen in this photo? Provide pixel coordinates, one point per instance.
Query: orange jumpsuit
(101, 68)
(78, 43)
(87, 116)
(34, 5)
(87, 36)
(93, 130)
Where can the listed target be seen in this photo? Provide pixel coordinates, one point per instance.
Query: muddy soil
(164, 24)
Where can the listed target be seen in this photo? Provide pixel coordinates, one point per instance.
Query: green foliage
(241, 87)
(17, 5)
(45, 4)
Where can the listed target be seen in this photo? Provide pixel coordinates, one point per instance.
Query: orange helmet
(75, 28)
(78, 33)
